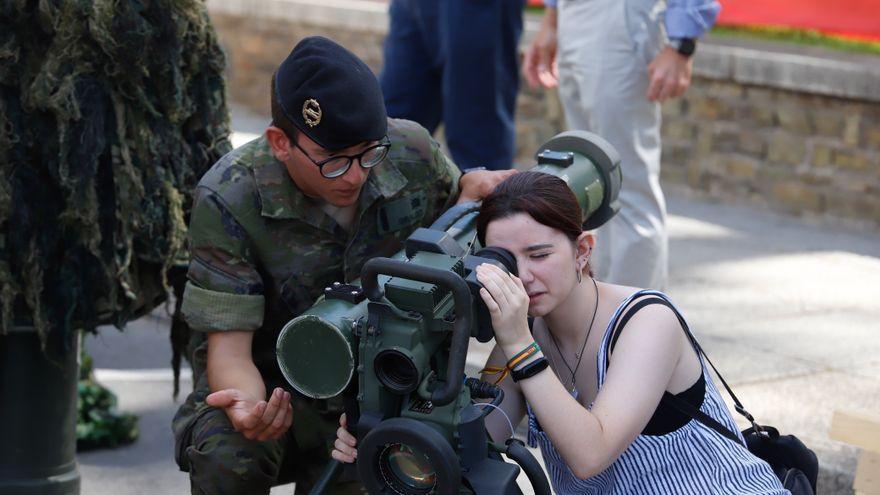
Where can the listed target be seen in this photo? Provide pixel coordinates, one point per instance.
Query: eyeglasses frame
(351, 158)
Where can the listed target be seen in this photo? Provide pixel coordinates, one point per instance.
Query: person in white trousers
(614, 62)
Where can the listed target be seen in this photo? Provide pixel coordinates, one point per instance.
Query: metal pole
(38, 420)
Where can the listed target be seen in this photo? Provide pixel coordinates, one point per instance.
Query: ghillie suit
(110, 111)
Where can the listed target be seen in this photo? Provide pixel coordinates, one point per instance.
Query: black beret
(330, 94)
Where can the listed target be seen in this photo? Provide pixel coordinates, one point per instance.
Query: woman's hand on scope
(508, 304)
(344, 448)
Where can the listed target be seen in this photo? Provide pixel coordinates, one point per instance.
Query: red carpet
(850, 18)
(858, 19)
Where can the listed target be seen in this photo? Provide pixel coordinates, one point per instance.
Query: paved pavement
(788, 311)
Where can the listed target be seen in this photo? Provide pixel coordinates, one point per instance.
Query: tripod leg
(331, 471)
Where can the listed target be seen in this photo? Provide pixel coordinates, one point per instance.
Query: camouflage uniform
(262, 253)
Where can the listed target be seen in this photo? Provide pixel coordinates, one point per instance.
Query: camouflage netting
(110, 111)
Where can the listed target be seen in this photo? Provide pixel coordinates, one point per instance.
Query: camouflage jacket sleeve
(225, 289)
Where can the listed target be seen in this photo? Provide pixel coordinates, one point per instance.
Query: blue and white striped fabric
(691, 460)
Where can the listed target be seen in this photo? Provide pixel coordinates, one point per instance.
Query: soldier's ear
(279, 142)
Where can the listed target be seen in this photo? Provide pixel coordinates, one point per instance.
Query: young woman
(611, 351)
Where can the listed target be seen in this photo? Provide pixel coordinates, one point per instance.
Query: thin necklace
(579, 355)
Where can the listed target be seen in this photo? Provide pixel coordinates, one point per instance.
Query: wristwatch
(684, 46)
(530, 369)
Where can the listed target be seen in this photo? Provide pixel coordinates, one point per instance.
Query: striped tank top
(693, 459)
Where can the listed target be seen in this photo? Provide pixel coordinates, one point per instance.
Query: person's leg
(480, 80)
(603, 86)
(218, 458)
(411, 73)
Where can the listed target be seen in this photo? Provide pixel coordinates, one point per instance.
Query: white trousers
(604, 47)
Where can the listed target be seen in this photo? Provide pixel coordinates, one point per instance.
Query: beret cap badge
(311, 112)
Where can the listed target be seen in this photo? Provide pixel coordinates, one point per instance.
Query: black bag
(793, 462)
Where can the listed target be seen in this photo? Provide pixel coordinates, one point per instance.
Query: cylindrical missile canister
(314, 350)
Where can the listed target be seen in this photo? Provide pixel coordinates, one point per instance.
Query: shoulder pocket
(401, 213)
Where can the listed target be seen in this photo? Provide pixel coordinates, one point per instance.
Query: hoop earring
(587, 262)
(578, 275)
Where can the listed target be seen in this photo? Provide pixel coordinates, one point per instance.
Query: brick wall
(771, 144)
(799, 153)
(255, 46)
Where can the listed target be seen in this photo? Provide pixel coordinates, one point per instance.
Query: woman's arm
(639, 372)
(646, 355)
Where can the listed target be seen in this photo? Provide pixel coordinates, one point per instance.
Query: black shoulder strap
(637, 302)
(690, 411)
(624, 319)
(676, 402)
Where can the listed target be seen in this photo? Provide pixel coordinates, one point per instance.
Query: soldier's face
(338, 191)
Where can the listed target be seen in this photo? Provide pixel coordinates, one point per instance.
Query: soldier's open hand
(478, 184)
(255, 419)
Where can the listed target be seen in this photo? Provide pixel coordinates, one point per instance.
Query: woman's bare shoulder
(617, 292)
(653, 314)
(612, 296)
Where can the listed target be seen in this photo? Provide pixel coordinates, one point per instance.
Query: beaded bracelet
(522, 355)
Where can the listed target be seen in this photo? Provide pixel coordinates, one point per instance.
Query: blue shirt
(684, 18)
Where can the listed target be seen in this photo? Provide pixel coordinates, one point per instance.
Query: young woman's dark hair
(544, 197)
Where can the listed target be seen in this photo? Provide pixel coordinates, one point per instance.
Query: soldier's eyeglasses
(336, 166)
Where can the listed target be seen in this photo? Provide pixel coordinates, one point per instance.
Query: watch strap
(530, 369)
(684, 46)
